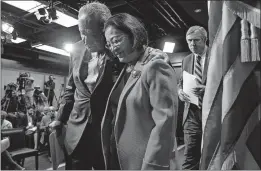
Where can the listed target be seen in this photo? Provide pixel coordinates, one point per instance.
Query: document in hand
(33, 129)
(190, 82)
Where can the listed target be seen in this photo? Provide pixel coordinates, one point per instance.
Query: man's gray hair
(198, 29)
(95, 9)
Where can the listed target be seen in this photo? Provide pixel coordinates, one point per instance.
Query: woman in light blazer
(138, 127)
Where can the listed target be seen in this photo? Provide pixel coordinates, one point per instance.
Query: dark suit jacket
(188, 65)
(78, 103)
(146, 115)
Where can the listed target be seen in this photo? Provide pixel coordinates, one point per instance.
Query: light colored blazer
(188, 65)
(145, 124)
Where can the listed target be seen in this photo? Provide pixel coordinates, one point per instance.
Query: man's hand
(57, 125)
(183, 96)
(199, 91)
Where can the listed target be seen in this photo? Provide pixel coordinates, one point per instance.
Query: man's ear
(205, 40)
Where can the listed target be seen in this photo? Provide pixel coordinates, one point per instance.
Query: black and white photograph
(130, 85)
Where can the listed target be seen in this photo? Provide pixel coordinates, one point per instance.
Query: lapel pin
(135, 73)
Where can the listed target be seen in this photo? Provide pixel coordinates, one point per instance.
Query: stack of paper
(189, 83)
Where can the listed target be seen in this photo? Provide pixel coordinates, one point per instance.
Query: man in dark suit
(196, 64)
(89, 84)
(49, 87)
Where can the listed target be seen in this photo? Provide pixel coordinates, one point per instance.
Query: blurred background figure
(49, 87)
(9, 102)
(40, 100)
(32, 133)
(29, 90)
(5, 124)
(7, 161)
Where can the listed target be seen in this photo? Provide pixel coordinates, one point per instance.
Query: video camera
(9, 88)
(21, 80)
(37, 91)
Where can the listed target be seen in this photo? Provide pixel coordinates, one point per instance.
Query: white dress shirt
(95, 66)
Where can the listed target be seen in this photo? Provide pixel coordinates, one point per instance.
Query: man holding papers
(191, 89)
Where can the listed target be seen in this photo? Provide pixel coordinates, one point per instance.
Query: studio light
(52, 13)
(46, 15)
(68, 47)
(169, 47)
(43, 15)
(7, 28)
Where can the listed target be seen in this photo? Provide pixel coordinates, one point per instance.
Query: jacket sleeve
(180, 83)
(162, 88)
(68, 98)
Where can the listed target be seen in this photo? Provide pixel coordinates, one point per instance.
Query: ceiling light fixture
(169, 47)
(18, 40)
(68, 47)
(52, 49)
(7, 28)
(33, 6)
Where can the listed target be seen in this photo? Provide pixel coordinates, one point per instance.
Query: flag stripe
(212, 133)
(253, 144)
(233, 82)
(240, 112)
(240, 147)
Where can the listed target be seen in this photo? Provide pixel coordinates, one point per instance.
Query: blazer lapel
(104, 68)
(113, 88)
(191, 64)
(131, 81)
(82, 71)
(116, 85)
(106, 121)
(119, 79)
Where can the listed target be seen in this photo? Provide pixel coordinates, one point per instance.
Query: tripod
(6, 101)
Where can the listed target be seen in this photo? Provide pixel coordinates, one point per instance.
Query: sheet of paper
(32, 129)
(190, 82)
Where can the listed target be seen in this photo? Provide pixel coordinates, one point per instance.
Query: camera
(21, 80)
(9, 88)
(37, 91)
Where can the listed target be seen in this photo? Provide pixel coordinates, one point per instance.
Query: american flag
(231, 104)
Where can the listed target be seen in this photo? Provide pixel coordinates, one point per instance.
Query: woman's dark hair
(130, 26)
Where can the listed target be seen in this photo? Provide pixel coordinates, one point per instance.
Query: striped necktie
(198, 74)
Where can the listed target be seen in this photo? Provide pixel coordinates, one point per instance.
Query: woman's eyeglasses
(116, 41)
